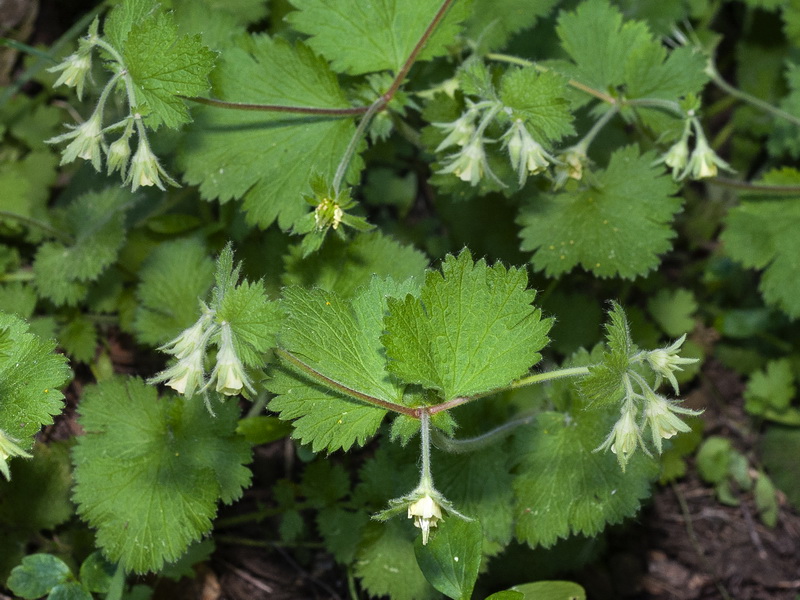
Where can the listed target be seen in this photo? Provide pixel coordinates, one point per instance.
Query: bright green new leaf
(163, 64)
(770, 391)
(362, 37)
(96, 222)
(149, 472)
(673, 310)
(761, 233)
(30, 375)
(617, 227)
(624, 57)
(254, 321)
(472, 329)
(37, 575)
(344, 266)
(452, 557)
(339, 340)
(268, 158)
(540, 100)
(175, 277)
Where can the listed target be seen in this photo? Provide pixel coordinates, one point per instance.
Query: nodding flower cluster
(701, 163)
(187, 375)
(527, 156)
(88, 140)
(645, 408)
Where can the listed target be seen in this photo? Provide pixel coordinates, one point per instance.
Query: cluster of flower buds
(9, 449)
(187, 375)
(470, 164)
(701, 163)
(658, 413)
(88, 140)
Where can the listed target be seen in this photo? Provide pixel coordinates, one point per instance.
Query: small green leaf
(543, 590)
(451, 559)
(149, 472)
(472, 329)
(540, 100)
(770, 391)
(617, 227)
(262, 429)
(673, 310)
(780, 447)
(96, 573)
(37, 575)
(766, 500)
(71, 590)
(493, 22)
(342, 530)
(714, 459)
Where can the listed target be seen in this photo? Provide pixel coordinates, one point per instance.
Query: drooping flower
(86, 143)
(145, 169)
(677, 157)
(570, 166)
(661, 418)
(74, 69)
(229, 372)
(426, 513)
(459, 132)
(118, 154)
(8, 449)
(187, 375)
(469, 165)
(665, 361)
(703, 162)
(526, 154)
(625, 436)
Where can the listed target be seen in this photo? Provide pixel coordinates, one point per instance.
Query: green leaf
(341, 341)
(611, 54)
(714, 459)
(72, 590)
(360, 37)
(616, 228)
(149, 472)
(452, 557)
(472, 329)
(673, 310)
(769, 392)
(494, 22)
(784, 136)
(267, 158)
(254, 321)
(761, 233)
(386, 563)
(262, 429)
(173, 280)
(96, 573)
(543, 590)
(779, 450)
(30, 377)
(37, 575)
(539, 99)
(766, 500)
(163, 64)
(342, 530)
(344, 266)
(79, 338)
(96, 221)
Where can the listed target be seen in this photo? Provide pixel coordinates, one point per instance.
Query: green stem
(425, 442)
(550, 376)
(760, 188)
(254, 517)
(302, 110)
(64, 237)
(711, 71)
(239, 541)
(4, 41)
(584, 144)
(478, 442)
(667, 105)
(259, 404)
(117, 585)
(314, 374)
(350, 151)
(17, 276)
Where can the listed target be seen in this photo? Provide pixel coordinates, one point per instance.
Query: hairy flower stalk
(9, 449)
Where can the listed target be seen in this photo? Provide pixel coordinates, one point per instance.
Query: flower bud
(117, 156)
(661, 418)
(145, 169)
(74, 70)
(426, 513)
(87, 139)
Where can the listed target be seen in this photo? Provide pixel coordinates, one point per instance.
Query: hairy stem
(712, 72)
(760, 188)
(350, 151)
(481, 441)
(314, 374)
(56, 233)
(301, 110)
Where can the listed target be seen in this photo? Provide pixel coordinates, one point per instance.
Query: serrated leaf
(386, 563)
(173, 280)
(268, 158)
(342, 530)
(162, 64)
(451, 559)
(30, 375)
(616, 228)
(37, 575)
(784, 136)
(344, 266)
(770, 391)
(539, 99)
(611, 54)
(472, 329)
(761, 233)
(359, 37)
(254, 321)
(493, 22)
(323, 484)
(779, 448)
(96, 221)
(79, 338)
(341, 341)
(564, 487)
(149, 472)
